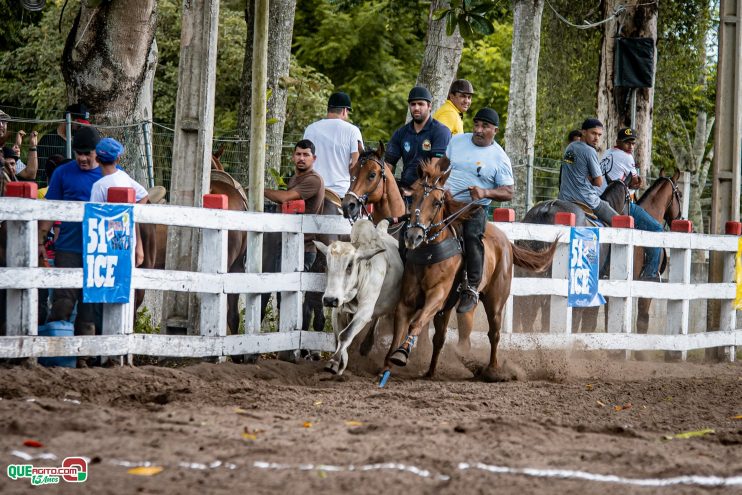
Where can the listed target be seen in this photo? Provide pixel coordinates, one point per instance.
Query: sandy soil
(267, 428)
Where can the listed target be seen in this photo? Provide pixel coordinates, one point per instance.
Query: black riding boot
(473, 233)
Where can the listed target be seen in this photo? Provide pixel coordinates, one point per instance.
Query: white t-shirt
(618, 165)
(99, 194)
(334, 141)
(19, 166)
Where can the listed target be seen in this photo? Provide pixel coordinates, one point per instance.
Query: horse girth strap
(432, 253)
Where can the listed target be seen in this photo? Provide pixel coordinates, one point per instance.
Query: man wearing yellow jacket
(458, 102)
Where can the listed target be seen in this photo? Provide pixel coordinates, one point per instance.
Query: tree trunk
(441, 58)
(243, 120)
(614, 104)
(106, 60)
(520, 133)
(281, 29)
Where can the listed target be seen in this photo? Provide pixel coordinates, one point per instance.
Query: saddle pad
(587, 210)
(430, 254)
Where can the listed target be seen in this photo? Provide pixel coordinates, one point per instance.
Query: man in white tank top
(338, 144)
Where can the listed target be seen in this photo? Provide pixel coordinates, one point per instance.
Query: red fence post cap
(503, 215)
(121, 195)
(733, 228)
(22, 190)
(622, 222)
(216, 201)
(685, 226)
(564, 218)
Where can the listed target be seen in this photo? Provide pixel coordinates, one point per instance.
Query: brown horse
(428, 286)
(372, 183)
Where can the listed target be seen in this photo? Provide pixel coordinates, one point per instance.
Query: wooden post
(257, 156)
(620, 317)
(560, 315)
(213, 259)
(506, 215)
(727, 311)
(194, 132)
(678, 310)
(118, 318)
(725, 195)
(22, 251)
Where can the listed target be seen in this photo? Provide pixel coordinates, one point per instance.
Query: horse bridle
(364, 197)
(675, 196)
(445, 222)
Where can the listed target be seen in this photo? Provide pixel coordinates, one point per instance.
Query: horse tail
(536, 261)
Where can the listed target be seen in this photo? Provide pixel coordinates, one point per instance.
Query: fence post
(620, 317)
(678, 309)
(148, 155)
(22, 250)
(728, 313)
(560, 314)
(213, 259)
(506, 215)
(292, 261)
(68, 136)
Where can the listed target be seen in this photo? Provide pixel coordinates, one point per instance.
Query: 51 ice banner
(108, 244)
(584, 268)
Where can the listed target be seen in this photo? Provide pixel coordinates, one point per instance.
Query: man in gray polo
(581, 171)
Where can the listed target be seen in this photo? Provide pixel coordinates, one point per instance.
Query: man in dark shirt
(423, 138)
(306, 184)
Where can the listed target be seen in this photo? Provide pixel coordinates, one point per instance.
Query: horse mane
(655, 185)
(431, 170)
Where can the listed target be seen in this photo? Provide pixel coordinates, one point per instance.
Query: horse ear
(380, 150)
(321, 246)
(662, 172)
(676, 175)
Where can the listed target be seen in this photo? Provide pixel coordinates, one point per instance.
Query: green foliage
(372, 51)
(306, 101)
(143, 322)
(470, 16)
(486, 63)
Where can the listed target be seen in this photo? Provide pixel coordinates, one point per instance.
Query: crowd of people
(480, 172)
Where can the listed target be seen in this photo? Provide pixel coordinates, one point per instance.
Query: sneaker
(467, 301)
(650, 278)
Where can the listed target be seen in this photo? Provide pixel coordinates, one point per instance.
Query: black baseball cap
(488, 115)
(339, 100)
(420, 93)
(9, 152)
(626, 134)
(85, 139)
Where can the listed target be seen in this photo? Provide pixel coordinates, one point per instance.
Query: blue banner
(584, 267)
(108, 244)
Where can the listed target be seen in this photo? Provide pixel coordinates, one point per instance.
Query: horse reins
(674, 196)
(445, 222)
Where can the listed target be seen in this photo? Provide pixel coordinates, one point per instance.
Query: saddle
(333, 198)
(157, 195)
(225, 178)
(587, 210)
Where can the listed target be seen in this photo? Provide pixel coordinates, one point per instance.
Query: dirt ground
(277, 427)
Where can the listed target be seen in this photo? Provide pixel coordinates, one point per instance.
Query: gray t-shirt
(579, 163)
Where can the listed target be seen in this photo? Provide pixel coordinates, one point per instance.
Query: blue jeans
(645, 221)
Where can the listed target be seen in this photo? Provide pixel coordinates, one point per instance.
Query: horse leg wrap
(399, 357)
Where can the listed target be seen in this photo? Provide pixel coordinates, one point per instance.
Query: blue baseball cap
(108, 150)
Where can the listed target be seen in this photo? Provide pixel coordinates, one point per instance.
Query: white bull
(364, 277)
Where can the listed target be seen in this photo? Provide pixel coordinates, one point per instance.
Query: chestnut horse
(428, 285)
(372, 183)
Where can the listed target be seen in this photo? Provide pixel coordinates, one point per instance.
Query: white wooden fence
(23, 277)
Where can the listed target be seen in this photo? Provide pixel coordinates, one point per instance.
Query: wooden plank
(34, 346)
(560, 315)
(213, 259)
(175, 345)
(292, 261)
(728, 313)
(27, 278)
(620, 309)
(253, 303)
(261, 283)
(678, 311)
(179, 281)
(22, 304)
(522, 286)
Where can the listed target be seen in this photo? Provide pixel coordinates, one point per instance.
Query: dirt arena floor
(567, 424)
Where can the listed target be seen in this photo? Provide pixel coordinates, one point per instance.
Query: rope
(618, 10)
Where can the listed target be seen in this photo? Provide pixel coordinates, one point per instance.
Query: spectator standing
(451, 113)
(337, 143)
(107, 153)
(73, 181)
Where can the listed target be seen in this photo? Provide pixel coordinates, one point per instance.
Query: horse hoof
(494, 375)
(399, 358)
(332, 367)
